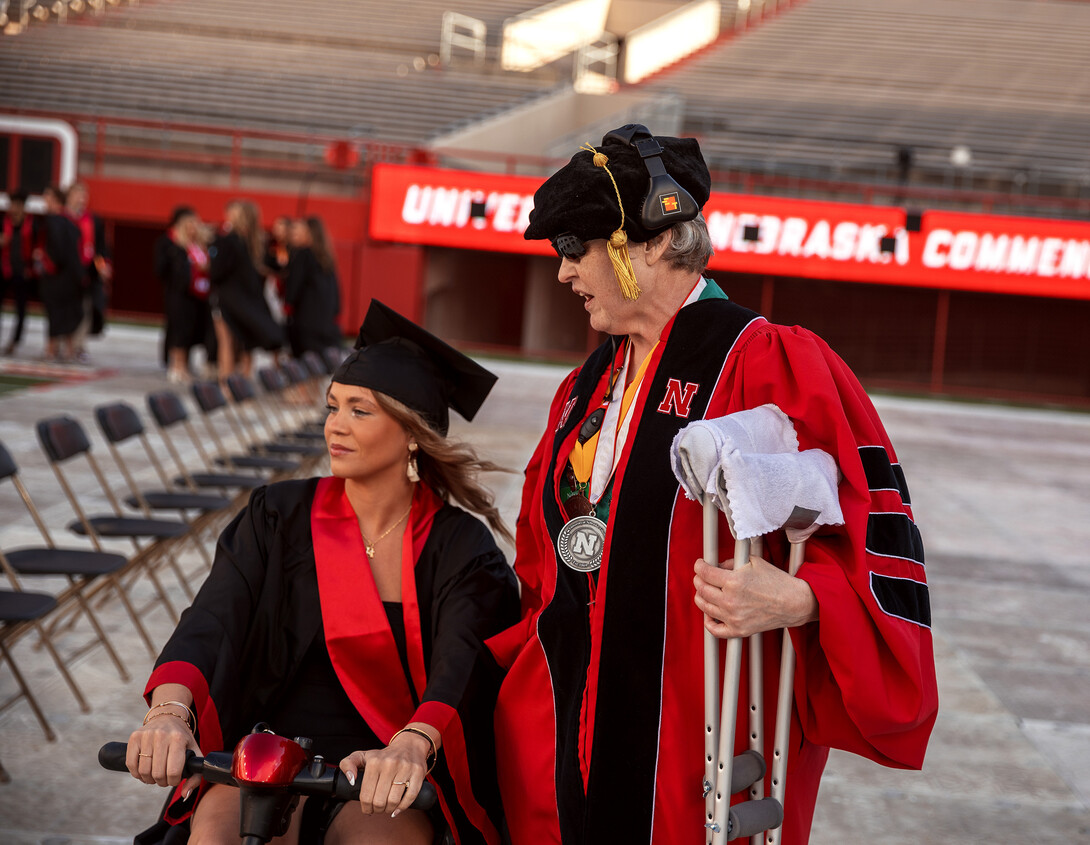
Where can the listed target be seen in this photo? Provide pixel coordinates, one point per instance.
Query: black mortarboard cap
(580, 197)
(396, 357)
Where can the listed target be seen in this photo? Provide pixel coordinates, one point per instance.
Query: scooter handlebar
(324, 779)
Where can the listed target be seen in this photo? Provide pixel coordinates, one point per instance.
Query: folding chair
(333, 356)
(119, 423)
(210, 399)
(169, 413)
(253, 414)
(20, 612)
(307, 383)
(275, 383)
(63, 438)
(86, 571)
(309, 395)
(317, 365)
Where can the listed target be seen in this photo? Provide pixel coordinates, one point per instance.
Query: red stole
(357, 632)
(86, 225)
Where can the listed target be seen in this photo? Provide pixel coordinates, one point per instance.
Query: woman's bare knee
(352, 827)
(215, 821)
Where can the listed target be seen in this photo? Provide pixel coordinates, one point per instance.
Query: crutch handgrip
(752, 817)
(749, 767)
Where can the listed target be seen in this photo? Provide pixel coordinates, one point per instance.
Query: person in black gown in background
(240, 311)
(60, 276)
(352, 609)
(181, 265)
(18, 233)
(312, 293)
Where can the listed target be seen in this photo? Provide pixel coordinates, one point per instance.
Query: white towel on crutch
(699, 448)
(762, 493)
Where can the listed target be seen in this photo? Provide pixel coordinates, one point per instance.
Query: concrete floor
(1001, 495)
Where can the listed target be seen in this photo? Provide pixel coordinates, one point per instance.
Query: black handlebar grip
(112, 756)
(426, 799)
(752, 817)
(748, 768)
(345, 791)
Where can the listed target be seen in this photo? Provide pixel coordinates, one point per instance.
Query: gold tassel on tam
(618, 241)
(622, 265)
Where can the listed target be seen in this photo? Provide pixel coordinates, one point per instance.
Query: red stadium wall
(945, 319)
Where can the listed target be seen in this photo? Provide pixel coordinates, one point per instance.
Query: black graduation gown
(238, 290)
(186, 315)
(293, 559)
(314, 300)
(92, 278)
(60, 284)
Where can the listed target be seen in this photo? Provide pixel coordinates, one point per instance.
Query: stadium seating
(332, 68)
(834, 87)
(826, 88)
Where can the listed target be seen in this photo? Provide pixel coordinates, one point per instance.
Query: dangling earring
(411, 471)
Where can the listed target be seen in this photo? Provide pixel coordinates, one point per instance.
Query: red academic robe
(599, 720)
(296, 552)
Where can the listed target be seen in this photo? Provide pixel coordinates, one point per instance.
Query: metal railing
(185, 147)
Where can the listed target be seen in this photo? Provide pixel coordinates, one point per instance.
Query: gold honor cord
(618, 241)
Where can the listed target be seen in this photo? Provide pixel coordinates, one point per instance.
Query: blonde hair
(448, 466)
(250, 230)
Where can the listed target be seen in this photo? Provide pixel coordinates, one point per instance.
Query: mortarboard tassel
(618, 241)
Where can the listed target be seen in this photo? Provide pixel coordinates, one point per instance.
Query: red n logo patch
(678, 398)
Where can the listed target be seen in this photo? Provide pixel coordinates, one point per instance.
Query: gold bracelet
(150, 717)
(190, 718)
(434, 751)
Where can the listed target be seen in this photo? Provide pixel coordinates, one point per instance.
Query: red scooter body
(265, 759)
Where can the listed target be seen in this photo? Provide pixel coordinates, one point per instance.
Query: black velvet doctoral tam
(580, 197)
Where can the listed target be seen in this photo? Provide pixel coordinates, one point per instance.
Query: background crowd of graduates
(63, 258)
(238, 288)
(229, 289)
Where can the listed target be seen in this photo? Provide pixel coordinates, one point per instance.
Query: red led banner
(765, 235)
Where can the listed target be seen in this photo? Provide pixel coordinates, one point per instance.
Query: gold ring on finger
(143, 755)
(401, 783)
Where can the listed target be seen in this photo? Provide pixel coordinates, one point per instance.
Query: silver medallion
(581, 542)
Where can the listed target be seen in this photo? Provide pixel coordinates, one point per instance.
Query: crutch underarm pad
(752, 817)
(748, 768)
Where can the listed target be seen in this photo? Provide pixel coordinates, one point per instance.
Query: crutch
(730, 773)
(803, 523)
(762, 484)
(695, 455)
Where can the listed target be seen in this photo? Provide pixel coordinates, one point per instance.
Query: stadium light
(961, 156)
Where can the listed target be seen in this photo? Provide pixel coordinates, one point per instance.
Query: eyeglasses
(569, 246)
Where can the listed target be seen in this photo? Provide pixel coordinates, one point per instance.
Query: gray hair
(690, 245)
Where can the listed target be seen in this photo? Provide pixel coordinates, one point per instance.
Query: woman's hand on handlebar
(392, 776)
(156, 752)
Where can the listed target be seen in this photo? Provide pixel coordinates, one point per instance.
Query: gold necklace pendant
(369, 547)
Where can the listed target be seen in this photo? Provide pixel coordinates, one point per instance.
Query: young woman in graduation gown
(352, 609)
(243, 319)
(311, 293)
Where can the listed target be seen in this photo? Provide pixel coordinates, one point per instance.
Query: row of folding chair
(248, 440)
